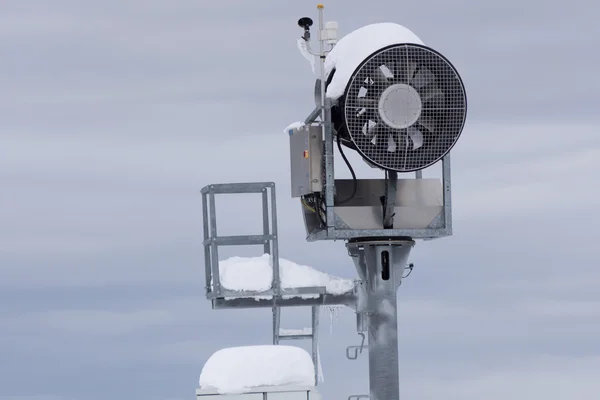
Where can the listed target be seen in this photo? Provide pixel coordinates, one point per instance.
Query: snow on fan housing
(403, 108)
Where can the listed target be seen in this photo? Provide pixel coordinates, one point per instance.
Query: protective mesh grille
(405, 107)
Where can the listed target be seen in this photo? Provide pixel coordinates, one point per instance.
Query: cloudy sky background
(114, 114)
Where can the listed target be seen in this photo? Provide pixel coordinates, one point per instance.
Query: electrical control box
(306, 159)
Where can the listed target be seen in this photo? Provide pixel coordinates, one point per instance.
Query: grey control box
(306, 159)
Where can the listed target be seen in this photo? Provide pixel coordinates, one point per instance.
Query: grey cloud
(115, 114)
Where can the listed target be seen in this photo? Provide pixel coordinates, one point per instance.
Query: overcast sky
(114, 114)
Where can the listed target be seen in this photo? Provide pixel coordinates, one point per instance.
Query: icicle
(331, 321)
(320, 375)
(333, 316)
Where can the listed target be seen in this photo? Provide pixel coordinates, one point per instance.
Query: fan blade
(422, 78)
(391, 143)
(416, 136)
(431, 93)
(411, 68)
(364, 114)
(387, 70)
(368, 127)
(378, 76)
(368, 90)
(364, 102)
(374, 140)
(401, 71)
(427, 123)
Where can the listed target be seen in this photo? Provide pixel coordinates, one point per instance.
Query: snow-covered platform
(268, 280)
(258, 373)
(248, 282)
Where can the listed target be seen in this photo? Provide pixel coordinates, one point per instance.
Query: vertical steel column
(214, 251)
(383, 264)
(276, 284)
(276, 324)
(447, 193)
(207, 261)
(315, 341)
(329, 171)
(265, 216)
(390, 199)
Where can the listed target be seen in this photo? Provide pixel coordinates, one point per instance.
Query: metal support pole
(390, 199)
(207, 260)
(276, 324)
(329, 186)
(329, 171)
(265, 211)
(276, 284)
(383, 263)
(315, 341)
(447, 182)
(214, 251)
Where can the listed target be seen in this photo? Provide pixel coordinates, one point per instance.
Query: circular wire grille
(405, 107)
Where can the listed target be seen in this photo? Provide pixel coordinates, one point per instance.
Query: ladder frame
(222, 298)
(212, 241)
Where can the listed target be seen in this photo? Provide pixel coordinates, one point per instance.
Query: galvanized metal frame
(276, 297)
(313, 335)
(443, 223)
(349, 300)
(374, 319)
(223, 298)
(212, 241)
(382, 325)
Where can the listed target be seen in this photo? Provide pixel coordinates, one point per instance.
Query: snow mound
(239, 369)
(256, 274)
(353, 48)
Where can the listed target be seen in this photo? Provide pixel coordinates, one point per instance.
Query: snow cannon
(401, 107)
(400, 104)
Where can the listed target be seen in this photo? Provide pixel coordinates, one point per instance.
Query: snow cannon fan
(401, 106)
(403, 109)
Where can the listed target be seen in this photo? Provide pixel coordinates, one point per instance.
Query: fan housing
(403, 108)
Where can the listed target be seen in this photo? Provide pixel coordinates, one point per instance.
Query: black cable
(410, 270)
(383, 198)
(313, 201)
(318, 209)
(354, 181)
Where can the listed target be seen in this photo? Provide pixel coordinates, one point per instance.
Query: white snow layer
(256, 274)
(356, 46)
(306, 54)
(301, 331)
(293, 125)
(239, 369)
